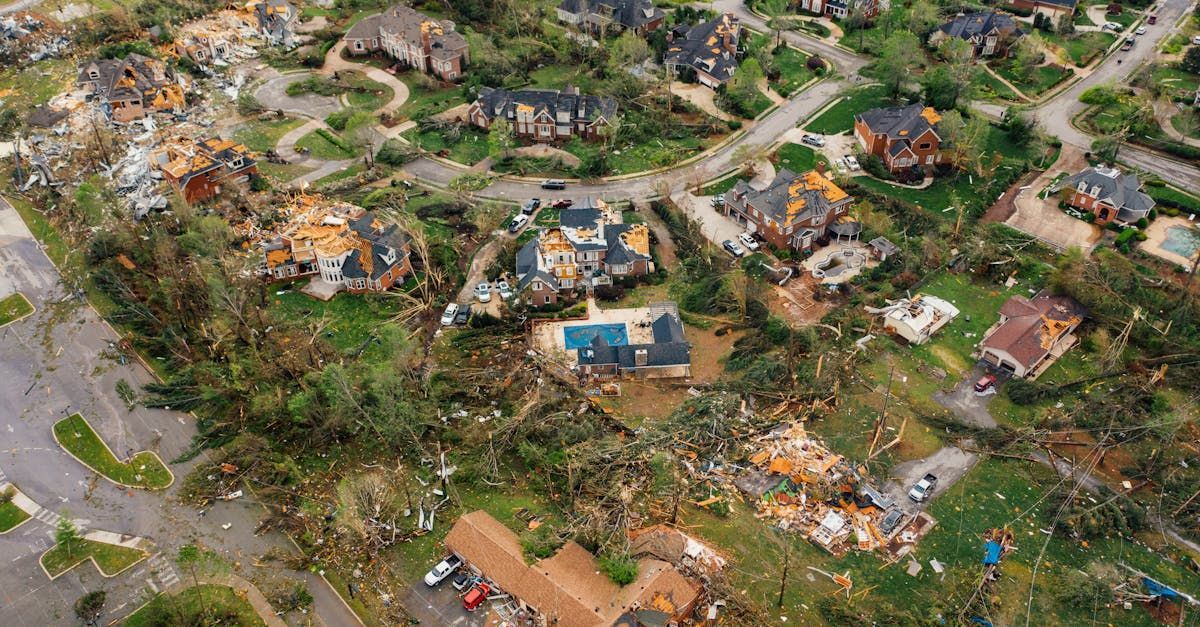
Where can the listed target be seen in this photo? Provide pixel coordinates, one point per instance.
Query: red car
(476, 597)
(985, 382)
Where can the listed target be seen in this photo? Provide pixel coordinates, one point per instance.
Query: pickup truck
(923, 488)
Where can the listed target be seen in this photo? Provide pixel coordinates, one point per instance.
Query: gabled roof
(710, 47)
(134, 75)
(791, 198)
(908, 122)
(1033, 326)
(627, 13)
(1115, 188)
(670, 348)
(974, 25)
(578, 107)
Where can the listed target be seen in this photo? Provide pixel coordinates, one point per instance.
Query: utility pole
(883, 412)
(787, 554)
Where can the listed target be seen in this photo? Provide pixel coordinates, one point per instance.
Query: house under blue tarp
(1158, 589)
(991, 553)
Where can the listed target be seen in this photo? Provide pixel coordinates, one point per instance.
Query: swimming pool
(1182, 240)
(581, 336)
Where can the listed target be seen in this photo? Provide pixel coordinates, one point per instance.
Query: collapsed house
(130, 88)
(276, 21)
(198, 170)
(339, 245)
(25, 36)
(804, 487)
(916, 319)
(687, 554)
(567, 588)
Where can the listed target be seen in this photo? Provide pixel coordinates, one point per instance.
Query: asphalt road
(60, 361)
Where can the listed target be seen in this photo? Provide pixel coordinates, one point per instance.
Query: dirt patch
(795, 302)
(1003, 209)
(1042, 218)
(950, 358)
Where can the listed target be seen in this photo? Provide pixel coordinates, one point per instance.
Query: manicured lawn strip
(425, 101)
(932, 199)
(796, 157)
(143, 470)
(1174, 196)
(641, 157)
(721, 187)
(110, 559)
(1082, 48)
(469, 148)
(1040, 79)
(56, 248)
(991, 86)
(349, 172)
(840, 117)
(321, 148)
(376, 94)
(14, 307)
(192, 603)
(11, 516)
(352, 318)
(264, 135)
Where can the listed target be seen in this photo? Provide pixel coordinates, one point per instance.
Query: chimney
(640, 357)
(821, 168)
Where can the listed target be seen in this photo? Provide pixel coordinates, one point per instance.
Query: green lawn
(793, 71)
(629, 158)
(14, 307)
(1176, 81)
(1125, 18)
(867, 41)
(321, 148)
(349, 172)
(425, 101)
(11, 516)
(1174, 196)
(1041, 79)
(991, 87)
(840, 117)
(110, 559)
(470, 147)
(143, 470)
(557, 76)
(721, 187)
(1082, 48)
(796, 157)
(366, 94)
(951, 347)
(264, 135)
(352, 318)
(30, 87)
(189, 606)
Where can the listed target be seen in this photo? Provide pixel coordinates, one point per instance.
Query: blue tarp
(980, 621)
(991, 553)
(1157, 589)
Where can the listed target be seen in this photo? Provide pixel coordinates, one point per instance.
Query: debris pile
(24, 36)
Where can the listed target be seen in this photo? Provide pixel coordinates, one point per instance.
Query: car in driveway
(473, 599)
(443, 569)
(529, 207)
(505, 291)
(747, 240)
(449, 314)
(1112, 26)
(923, 488)
(985, 382)
(483, 292)
(718, 200)
(518, 223)
(813, 140)
(852, 163)
(461, 581)
(732, 248)
(464, 315)
(562, 203)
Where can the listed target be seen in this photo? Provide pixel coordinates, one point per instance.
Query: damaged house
(276, 21)
(590, 247)
(916, 319)
(198, 171)
(601, 17)
(545, 115)
(903, 137)
(413, 39)
(709, 51)
(568, 588)
(128, 89)
(794, 211)
(1031, 334)
(340, 245)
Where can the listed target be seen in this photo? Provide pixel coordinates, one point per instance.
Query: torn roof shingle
(710, 47)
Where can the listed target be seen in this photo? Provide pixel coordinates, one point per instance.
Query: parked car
(813, 140)
(554, 184)
(923, 488)
(1128, 45)
(1153, 19)
(442, 570)
(1196, 40)
(483, 292)
(985, 382)
(529, 207)
(718, 200)
(460, 581)
(518, 223)
(747, 240)
(1112, 26)
(562, 203)
(852, 163)
(449, 313)
(464, 315)
(1141, 30)
(505, 291)
(889, 522)
(732, 248)
(476, 596)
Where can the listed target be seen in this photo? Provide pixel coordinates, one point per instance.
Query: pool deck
(836, 248)
(549, 339)
(1156, 234)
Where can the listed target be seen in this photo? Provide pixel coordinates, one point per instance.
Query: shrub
(734, 124)
(1022, 392)
(395, 153)
(815, 63)
(1099, 95)
(621, 569)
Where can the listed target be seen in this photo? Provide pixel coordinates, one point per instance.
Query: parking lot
(442, 605)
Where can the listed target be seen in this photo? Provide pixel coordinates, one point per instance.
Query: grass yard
(110, 559)
(264, 135)
(1039, 80)
(366, 94)
(26, 85)
(657, 153)
(349, 172)
(469, 147)
(1171, 197)
(793, 71)
(557, 76)
(11, 516)
(143, 470)
(867, 41)
(426, 100)
(977, 303)
(193, 603)
(796, 157)
(321, 147)
(1175, 81)
(721, 187)
(991, 87)
(1081, 48)
(352, 318)
(840, 117)
(1125, 18)
(933, 199)
(14, 307)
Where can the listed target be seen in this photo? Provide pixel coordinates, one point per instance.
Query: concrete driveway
(966, 404)
(717, 227)
(272, 94)
(1043, 219)
(442, 606)
(948, 464)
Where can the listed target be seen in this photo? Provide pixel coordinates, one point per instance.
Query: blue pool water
(581, 336)
(1182, 240)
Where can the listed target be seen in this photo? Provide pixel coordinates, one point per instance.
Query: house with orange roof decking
(903, 137)
(795, 211)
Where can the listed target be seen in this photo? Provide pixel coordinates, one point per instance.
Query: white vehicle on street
(1141, 30)
(448, 315)
(483, 292)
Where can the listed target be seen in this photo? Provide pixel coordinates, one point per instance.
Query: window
(547, 299)
(929, 160)
(358, 45)
(924, 146)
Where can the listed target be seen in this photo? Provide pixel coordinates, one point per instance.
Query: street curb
(110, 452)
(16, 492)
(33, 309)
(145, 555)
(1092, 136)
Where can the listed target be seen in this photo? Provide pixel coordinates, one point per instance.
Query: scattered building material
(916, 319)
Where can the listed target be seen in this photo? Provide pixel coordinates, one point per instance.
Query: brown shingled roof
(1032, 326)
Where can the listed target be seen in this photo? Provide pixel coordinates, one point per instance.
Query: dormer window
(1096, 190)
(1083, 186)
(94, 74)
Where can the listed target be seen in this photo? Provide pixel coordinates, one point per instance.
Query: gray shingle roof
(581, 107)
(772, 201)
(710, 47)
(669, 348)
(627, 13)
(1116, 188)
(897, 122)
(978, 25)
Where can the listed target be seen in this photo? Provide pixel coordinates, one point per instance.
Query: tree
(940, 88)
(963, 140)
(901, 53)
(500, 138)
(1019, 125)
(923, 18)
(66, 535)
(89, 606)
(1191, 60)
(857, 21)
(776, 10)
(1028, 55)
(627, 51)
(191, 556)
(1066, 24)
(1108, 146)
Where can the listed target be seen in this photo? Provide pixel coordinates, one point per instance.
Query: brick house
(127, 89)
(1031, 334)
(342, 245)
(608, 16)
(795, 211)
(840, 9)
(590, 246)
(990, 33)
(544, 115)
(904, 137)
(709, 49)
(1107, 193)
(421, 42)
(197, 171)
(1052, 9)
(667, 355)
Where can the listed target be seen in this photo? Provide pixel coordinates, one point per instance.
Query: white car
(852, 163)
(1141, 30)
(1196, 40)
(813, 140)
(505, 291)
(747, 240)
(443, 569)
(518, 223)
(923, 488)
(483, 292)
(1112, 26)
(448, 315)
